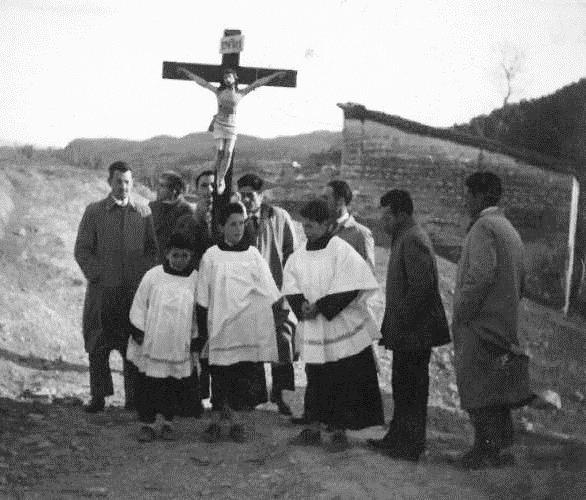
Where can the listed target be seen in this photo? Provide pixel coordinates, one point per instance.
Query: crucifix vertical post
(230, 47)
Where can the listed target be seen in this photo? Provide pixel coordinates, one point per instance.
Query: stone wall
(377, 157)
(6, 203)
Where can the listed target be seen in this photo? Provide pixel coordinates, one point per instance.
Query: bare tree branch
(512, 64)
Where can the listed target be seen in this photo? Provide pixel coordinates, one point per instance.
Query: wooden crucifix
(223, 123)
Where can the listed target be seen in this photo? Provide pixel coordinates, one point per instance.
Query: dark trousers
(283, 378)
(156, 395)
(493, 427)
(204, 379)
(309, 395)
(188, 399)
(116, 329)
(410, 384)
(227, 386)
(282, 373)
(344, 394)
(101, 377)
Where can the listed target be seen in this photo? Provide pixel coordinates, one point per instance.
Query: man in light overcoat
(115, 246)
(491, 369)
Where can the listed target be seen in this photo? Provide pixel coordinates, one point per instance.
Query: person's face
(229, 79)
(164, 191)
(250, 198)
(233, 229)
(328, 196)
(205, 187)
(121, 184)
(314, 230)
(179, 258)
(389, 220)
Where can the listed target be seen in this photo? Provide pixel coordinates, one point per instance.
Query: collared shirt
(121, 203)
(340, 220)
(488, 210)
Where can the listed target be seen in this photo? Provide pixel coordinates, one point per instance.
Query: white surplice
(334, 269)
(163, 308)
(238, 290)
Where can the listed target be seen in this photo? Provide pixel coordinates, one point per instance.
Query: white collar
(488, 210)
(344, 218)
(121, 203)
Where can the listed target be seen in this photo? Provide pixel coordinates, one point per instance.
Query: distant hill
(166, 152)
(553, 125)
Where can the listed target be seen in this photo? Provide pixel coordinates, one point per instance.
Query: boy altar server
(236, 297)
(329, 285)
(164, 332)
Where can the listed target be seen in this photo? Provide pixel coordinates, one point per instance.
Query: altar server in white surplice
(164, 334)
(236, 296)
(329, 286)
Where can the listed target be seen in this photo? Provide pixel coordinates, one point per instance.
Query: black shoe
(380, 444)
(389, 440)
(283, 408)
(402, 454)
(237, 433)
(339, 442)
(146, 434)
(168, 432)
(300, 420)
(213, 433)
(96, 405)
(307, 437)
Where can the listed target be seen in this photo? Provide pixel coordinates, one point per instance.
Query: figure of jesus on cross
(229, 74)
(223, 125)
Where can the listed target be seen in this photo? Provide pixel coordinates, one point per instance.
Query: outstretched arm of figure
(262, 81)
(197, 79)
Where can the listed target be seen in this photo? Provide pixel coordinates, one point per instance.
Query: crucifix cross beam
(231, 46)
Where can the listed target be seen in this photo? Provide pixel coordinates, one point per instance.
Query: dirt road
(49, 448)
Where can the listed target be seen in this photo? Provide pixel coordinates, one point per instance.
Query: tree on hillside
(552, 125)
(512, 63)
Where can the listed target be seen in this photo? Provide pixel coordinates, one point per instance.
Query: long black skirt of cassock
(247, 385)
(345, 393)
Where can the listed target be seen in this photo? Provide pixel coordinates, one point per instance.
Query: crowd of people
(196, 313)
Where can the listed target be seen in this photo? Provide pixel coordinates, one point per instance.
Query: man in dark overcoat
(115, 246)
(168, 208)
(491, 368)
(414, 322)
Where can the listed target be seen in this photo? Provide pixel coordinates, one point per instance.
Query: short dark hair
(398, 200)
(315, 210)
(203, 174)
(179, 240)
(341, 190)
(485, 183)
(176, 182)
(251, 180)
(118, 166)
(228, 210)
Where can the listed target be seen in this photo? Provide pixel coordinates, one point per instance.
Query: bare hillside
(49, 448)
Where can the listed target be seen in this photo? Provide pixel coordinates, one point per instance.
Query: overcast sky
(92, 68)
